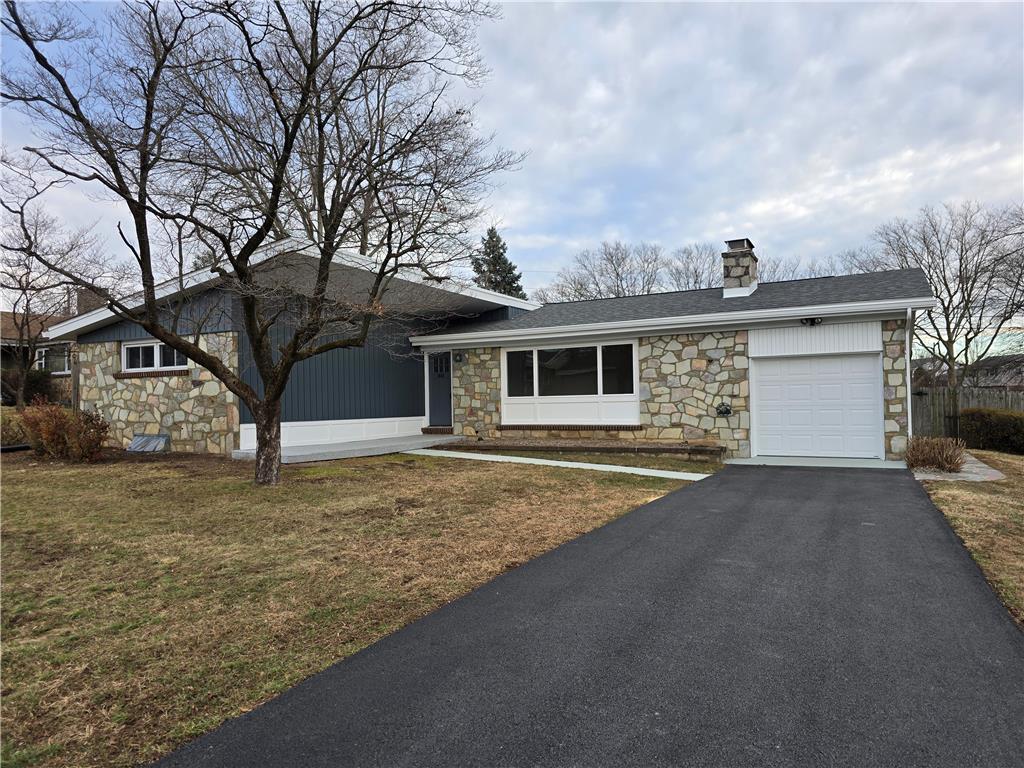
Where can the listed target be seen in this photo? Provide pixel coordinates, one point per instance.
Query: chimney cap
(742, 244)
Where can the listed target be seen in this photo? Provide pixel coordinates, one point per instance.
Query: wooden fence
(930, 406)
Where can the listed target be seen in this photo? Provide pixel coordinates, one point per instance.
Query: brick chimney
(739, 265)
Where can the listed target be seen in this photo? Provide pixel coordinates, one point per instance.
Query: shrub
(943, 453)
(60, 434)
(11, 432)
(45, 426)
(993, 429)
(87, 431)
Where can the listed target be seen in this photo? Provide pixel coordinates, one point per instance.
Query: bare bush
(943, 453)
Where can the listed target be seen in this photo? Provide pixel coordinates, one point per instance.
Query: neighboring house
(52, 356)
(1002, 371)
(815, 367)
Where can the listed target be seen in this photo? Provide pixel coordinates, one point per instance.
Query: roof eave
(199, 279)
(682, 322)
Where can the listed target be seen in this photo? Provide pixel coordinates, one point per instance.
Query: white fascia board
(681, 323)
(493, 296)
(410, 274)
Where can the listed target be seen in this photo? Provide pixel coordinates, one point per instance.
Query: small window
(172, 358)
(152, 356)
(569, 371)
(617, 369)
(520, 374)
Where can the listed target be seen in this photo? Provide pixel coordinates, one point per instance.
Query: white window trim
(126, 345)
(596, 399)
(40, 362)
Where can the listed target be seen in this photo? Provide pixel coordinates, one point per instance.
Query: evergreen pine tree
(493, 269)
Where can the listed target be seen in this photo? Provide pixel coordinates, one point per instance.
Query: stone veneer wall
(894, 393)
(476, 392)
(740, 269)
(683, 380)
(195, 409)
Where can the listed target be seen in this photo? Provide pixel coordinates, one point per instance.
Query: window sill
(159, 373)
(574, 427)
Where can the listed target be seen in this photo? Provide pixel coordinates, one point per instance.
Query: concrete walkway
(299, 454)
(564, 464)
(973, 471)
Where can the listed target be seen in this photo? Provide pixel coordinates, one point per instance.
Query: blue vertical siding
(383, 379)
(207, 312)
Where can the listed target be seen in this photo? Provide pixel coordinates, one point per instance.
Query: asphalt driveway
(765, 616)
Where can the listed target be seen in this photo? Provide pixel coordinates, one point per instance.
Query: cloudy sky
(800, 126)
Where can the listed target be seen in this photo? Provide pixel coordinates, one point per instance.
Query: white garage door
(828, 405)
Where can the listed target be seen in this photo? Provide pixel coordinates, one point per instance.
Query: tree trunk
(19, 397)
(953, 417)
(268, 443)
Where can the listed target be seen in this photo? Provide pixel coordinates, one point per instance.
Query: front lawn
(989, 517)
(146, 599)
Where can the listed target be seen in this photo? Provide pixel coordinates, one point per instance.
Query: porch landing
(299, 454)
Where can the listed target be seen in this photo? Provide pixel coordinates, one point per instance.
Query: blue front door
(440, 389)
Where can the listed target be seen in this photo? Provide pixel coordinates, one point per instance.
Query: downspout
(908, 351)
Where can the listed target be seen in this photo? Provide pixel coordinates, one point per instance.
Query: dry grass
(146, 600)
(671, 461)
(989, 517)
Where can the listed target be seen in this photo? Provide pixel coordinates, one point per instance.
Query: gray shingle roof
(872, 286)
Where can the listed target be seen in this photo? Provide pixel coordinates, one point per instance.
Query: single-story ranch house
(815, 367)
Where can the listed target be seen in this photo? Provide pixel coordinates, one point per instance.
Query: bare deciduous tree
(614, 269)
(36, 293)
(239, 124)
(619, 269)
(973, 257)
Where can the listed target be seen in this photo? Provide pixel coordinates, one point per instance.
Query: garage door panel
(862, 445)
(799, 417)
(862, 417)
(830, 417)
(798, 366)
(862, 391)
(827, 366)
(866, 365)
(829, 445)
(826, 405)
(799, 392)
(797, 443)
(828, 392)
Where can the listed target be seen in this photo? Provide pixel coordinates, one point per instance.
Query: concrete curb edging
(563, 464)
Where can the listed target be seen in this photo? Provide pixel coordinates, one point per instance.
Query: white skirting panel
(594, 410)
(827, 338)
(295, 433)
